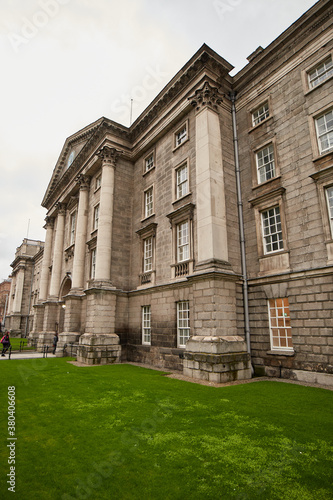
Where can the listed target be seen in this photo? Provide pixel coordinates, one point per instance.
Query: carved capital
(83, 181)
(109, 155)
(206, 96)
(49, 223)
(61, 207)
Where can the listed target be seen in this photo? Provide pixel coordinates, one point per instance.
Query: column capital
(49, 223)
(83, 181)
(61, 207)
(109, 155)
(207, 96)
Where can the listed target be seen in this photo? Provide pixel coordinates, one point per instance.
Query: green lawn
(124, 432)
(17, 343)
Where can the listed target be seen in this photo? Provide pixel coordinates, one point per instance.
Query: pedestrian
(5, 343)
(55, 341)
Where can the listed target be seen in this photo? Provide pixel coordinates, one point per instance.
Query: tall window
(73, 226)
(272, 230)
(93, 263)
(324, 127)
(183, 246)
(96, 217)
(182, 181)
(265, 163)
(320, 73)
(146, 325)
(98, 182)
(279, 324)
(149, 162)
(183, 322)
(329, 198)
(181, 135)
(149, 203)
(147, 254)
(260, 114)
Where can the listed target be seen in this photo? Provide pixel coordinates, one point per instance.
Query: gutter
(232, 96)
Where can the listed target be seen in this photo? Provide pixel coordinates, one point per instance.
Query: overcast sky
(66, 63)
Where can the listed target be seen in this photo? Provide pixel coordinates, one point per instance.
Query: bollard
(10, 351)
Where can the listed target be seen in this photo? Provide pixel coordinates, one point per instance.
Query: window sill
(147, 218)
(317, 86)
(180, 145)
(277, 352)
(182, 197)
(148, 171)
(259, 124)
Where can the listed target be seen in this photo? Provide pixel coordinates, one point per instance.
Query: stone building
(4, 296)
(24, 287)
(201, 236)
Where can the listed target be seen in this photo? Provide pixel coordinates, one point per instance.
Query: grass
(126, 432)
(17, 342)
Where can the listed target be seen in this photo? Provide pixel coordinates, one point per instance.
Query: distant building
(4, 296)
(201, 236)
(24, 287)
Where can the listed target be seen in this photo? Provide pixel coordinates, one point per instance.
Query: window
(329, 198)
(149, 203)
(70, 159)
(148, 254)
(73, 226)
(265, 163)
(183, 247)
(260, 114)
(98, 182)
(93, 263)
(96, 217)
(149, 163)
(320, 73)
(279, 324)
(272, 230)
(182, 184)
(324, 127)
(181, 135)
(146, 325)
(183, 322)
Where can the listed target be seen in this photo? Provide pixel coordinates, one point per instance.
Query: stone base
(217, 359)
(45, 339)
(99, 349)
(68, 343)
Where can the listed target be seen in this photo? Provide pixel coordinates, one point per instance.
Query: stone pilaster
(45, 272)
(17, 303)
(211, 207)
(58, 252)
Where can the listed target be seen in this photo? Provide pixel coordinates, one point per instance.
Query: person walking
(55, 341)
(5, 343)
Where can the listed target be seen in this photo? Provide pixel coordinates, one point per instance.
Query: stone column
(17, 304)
(211, 207)
(81, 234)
(58, 252)
(45, 272)
(104, 236)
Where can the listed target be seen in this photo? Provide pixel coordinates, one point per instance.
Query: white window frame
(320, 73)
(279, 324)
(260, 113)
(182, 181)
(146, 324)
(93, 264)
(329, 201)
(327, 133)
(181, 135)
(98, 182)
(183, 322)
(149, 162)
(148, 254)
(96, 217)
(265, 163)
(183, 241)
(148, 202)
(272, 234)
(72, 227)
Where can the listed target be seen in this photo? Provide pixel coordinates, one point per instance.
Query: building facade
(200, 238)
(24, 287)
(4, 297)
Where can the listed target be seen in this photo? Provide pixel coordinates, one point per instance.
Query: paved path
(25, 355)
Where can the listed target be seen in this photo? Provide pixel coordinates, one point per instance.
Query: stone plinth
(99, 349)
(217, 359)
(45, 339)
(68, 343)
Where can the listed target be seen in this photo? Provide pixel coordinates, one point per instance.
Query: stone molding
(207, 96)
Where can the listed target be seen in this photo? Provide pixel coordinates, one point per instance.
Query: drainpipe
(232, 96)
